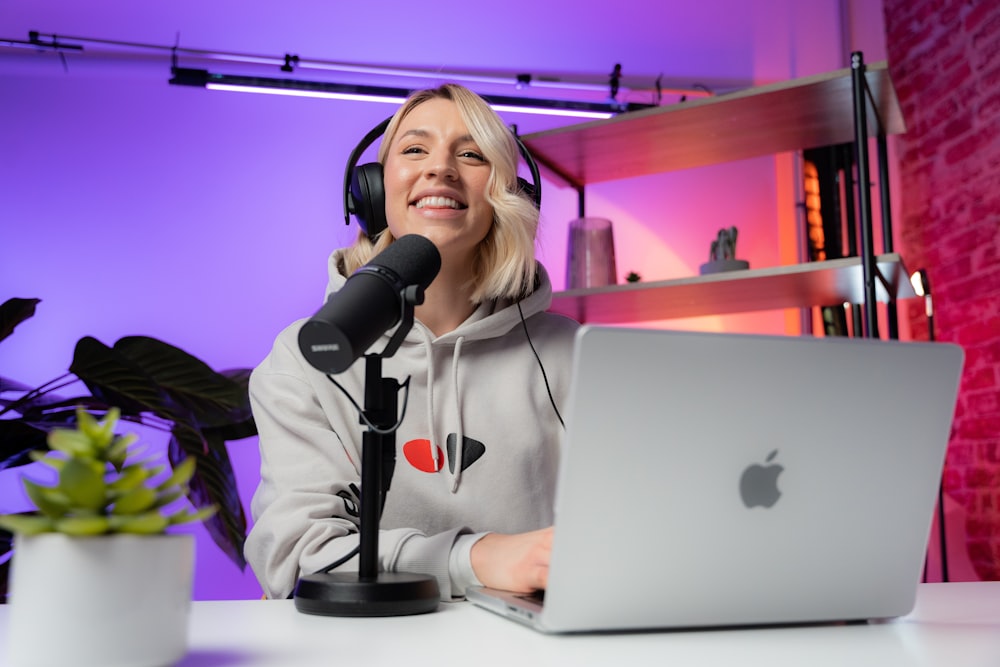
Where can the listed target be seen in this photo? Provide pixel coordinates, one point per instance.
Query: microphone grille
(413, 258)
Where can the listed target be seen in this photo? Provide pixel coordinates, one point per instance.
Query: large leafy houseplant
(151, 383)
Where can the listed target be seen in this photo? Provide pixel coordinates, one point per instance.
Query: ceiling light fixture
(616, 86)
(184, 76)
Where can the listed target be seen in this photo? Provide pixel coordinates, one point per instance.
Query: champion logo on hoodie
(425, 456)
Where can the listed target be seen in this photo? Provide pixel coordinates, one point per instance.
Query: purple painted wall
(204, 219)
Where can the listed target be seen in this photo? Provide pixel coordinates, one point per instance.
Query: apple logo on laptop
(759, 483)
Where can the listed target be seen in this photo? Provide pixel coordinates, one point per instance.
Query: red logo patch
(423, 455)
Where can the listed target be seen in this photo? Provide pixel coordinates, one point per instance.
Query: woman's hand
(518, 563)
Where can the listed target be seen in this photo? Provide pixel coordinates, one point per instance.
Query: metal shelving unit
(809, 112)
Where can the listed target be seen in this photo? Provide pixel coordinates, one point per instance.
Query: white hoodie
(476, 394)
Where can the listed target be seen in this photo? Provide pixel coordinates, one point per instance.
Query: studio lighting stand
(369, 592)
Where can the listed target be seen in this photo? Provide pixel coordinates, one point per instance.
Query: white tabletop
(956, 624)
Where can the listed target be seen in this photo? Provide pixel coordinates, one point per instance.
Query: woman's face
(435, 180)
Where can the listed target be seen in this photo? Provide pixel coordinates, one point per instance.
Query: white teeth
(437, 202)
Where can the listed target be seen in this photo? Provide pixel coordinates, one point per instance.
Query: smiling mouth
(439, 202)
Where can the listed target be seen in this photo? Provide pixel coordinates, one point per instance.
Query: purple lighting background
(204, 219)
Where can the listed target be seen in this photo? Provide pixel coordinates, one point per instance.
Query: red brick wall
(944, 57)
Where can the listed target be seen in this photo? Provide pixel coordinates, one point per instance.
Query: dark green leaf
(28, 433)
(13, 312)
(17, 439)
(7, 385)
(234, 431)
(210, 396)
(115, 379)
(214, 483)
(33, 400)
(6, 547)
(4, 576)
(48, 409)
(240, 419)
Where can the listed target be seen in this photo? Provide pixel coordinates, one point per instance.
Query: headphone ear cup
(368, 198)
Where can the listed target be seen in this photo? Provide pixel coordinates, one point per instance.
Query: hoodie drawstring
(455, 461)
(430, 394)
(460, 436)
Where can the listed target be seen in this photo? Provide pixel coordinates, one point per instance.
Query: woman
(478, 448)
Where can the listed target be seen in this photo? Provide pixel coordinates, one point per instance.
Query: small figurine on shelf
(633, 277)
(722, 254)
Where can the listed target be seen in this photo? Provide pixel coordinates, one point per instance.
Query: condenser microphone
(369, 304)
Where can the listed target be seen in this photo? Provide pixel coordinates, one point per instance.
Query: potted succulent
(97, 579)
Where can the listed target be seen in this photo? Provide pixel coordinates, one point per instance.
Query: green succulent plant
(103, 485)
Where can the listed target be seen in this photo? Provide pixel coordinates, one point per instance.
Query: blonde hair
(505, 259)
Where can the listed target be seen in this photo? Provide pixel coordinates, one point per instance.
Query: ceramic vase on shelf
(590, 257)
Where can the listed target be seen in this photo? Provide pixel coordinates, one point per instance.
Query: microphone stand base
(347, 594)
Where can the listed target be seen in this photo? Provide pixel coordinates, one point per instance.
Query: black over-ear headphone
(364, 190)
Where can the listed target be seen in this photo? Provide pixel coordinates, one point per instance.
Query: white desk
(954, 625)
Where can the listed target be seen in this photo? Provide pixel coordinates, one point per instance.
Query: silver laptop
(714, 480)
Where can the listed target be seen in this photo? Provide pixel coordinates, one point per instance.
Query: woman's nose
(442, 165)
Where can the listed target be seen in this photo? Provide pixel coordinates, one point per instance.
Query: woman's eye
(411, 150)
(473, 154)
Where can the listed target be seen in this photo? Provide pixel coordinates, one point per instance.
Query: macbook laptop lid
(731, 479)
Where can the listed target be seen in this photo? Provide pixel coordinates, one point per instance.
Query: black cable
(539, 360)
(392, 429)
(406, 397)
(340, 561)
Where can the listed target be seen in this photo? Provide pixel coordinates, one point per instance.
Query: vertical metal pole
(371, 474)
(858, 87)
(802, 235)
(581, 203)
(883, 183)
(846, 161)
(887, 242)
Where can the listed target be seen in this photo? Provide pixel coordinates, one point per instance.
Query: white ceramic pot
(108, 601)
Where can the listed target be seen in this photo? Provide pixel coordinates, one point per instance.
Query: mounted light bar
(183, 76)
(254, 84)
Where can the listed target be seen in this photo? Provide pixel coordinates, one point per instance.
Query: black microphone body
(368, 305)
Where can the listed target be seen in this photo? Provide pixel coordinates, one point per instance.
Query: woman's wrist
(460, 567)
